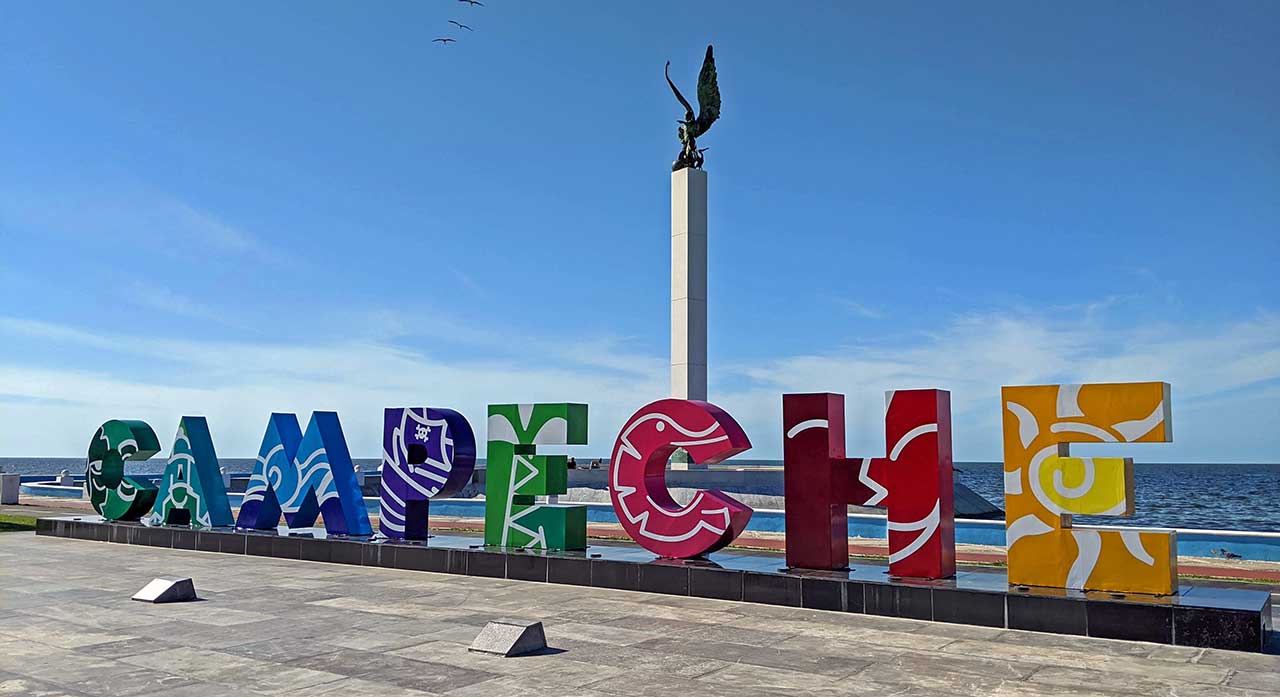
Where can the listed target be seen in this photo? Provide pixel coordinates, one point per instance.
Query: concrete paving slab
(28, 687)
(293, 627)
(397, 670)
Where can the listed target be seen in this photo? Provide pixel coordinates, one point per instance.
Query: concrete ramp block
(510, 638)
(167, 589)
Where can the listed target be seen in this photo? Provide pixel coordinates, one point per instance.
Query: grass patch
(16, 523)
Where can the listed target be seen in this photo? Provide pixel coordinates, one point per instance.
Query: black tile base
(184, 539)
(155, 537)
(879, 599)
(315, 550)
(286, 547)
(344, 552)
(854, 597)
(662, 578)
(1238, 631)
(969, 607)
(420, 557)
(87, 531)
(1197, 616)
(1036, 613)
(772, 589)
(721, 584)
(258, 545)
(527, 567)
(455, 560)
(233, 543)
(488, 564)
(893, 600)
(614, 574)
(381, 555)
(413, 557)
(575, 572)
(1133, 621)
(208, 542)
(822, 593)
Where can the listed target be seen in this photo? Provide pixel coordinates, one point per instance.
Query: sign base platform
(1220, 618)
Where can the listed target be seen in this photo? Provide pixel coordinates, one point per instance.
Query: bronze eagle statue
(708, 111)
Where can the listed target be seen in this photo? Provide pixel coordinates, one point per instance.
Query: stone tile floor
(269, 626)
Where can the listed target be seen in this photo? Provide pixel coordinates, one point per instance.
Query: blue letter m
(302, 476)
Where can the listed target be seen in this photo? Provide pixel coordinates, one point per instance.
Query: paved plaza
(270, 626)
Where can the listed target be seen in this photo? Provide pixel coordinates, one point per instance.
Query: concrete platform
(1262, 575)
(1199, 616)
(273, 626)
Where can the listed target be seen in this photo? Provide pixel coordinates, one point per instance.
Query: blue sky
(237, 207)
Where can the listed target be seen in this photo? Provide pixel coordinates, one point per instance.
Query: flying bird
(460, 25)
(445, 41)
(472, 3)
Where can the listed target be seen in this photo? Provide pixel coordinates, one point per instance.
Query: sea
(1203, 496)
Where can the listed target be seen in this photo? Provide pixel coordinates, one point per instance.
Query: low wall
(46, 488)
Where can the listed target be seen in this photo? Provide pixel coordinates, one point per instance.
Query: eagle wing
(708, 95)
(688, 110)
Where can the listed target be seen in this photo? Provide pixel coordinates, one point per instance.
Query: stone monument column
(688, 289)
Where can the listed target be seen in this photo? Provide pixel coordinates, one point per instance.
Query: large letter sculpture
(113, 495)
(914, 481)
(1043, 487)
(515, 475)
(304, 476)
(426, 453)
(191, 490)
(637, 478)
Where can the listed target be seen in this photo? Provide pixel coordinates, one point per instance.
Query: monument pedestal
(688, 291)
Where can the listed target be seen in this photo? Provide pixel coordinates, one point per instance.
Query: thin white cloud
(469, 282)
(163, 299)
(17, 326)
(166, 213)
(977, 354)
(237, 384)
(132, 218)
(1226, 383)
(859, 309)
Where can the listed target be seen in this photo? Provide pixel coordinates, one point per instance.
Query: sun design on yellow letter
(1044, 486)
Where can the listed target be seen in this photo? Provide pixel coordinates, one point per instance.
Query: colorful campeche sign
(637, 478)
(430, 453)
(305, 476)
(1044, 486)
(516, 475)
(427, 453)
(191, 489)
(914, 482)
(114, 495)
